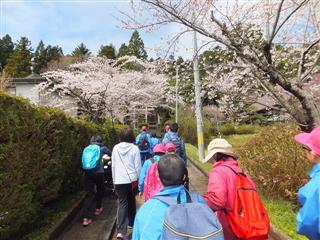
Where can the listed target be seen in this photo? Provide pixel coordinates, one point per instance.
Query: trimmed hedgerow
(276, 162)
(40, 151)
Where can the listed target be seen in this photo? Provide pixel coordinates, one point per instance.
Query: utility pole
(268, 20)
(177, 91)
(198, 98)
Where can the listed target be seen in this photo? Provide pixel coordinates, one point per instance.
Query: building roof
(31, 79)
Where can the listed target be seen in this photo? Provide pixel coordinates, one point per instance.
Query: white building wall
(28, 91)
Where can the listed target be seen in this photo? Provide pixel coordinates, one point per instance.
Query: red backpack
(249, 218)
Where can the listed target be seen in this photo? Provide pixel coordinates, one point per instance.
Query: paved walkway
(100, 228)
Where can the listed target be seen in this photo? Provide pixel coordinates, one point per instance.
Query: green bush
(275, 161)
(188, 127)
(245, 129)
(227, 129)
(40, 152)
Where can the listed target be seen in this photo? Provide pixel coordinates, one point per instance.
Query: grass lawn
(280, 211)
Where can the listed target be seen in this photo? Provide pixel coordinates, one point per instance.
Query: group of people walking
(157, 170)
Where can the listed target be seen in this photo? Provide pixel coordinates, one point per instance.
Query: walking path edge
(60, 226)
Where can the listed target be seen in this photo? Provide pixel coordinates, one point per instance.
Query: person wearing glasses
(308, 217)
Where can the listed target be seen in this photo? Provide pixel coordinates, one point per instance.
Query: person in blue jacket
(149, 220)
(153, 140)
(173, 136)
(308, 218)
(143, 141)
(158, 150)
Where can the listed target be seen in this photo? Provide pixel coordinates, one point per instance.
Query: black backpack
(143, 143)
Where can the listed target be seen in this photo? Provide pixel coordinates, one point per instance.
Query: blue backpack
(190, 220)
(90, 157)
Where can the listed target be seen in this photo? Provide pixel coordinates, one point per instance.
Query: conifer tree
(136, 46)
(123, 50)
(6, 48)
(107, 51)
(19, 62)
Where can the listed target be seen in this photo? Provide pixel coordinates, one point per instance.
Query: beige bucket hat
(219, 145)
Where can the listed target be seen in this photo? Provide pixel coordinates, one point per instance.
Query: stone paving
(102, 226)
(99, 229)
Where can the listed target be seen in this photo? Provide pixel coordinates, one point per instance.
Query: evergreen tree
(53, 53)
(81, 51)
(40, 57)
(123, 50)
(136, 46)
(6, 48)
(18, 63)
(43, 55)
(107, 51)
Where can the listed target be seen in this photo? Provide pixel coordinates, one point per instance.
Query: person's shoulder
(115, 147)
(152, 203)
(135, 148)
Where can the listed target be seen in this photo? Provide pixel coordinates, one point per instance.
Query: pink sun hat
(159, 148)
(171, 147)
(311, 140)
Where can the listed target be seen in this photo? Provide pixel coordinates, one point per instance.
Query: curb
(60, 226)
(275, 232)
(110, 234)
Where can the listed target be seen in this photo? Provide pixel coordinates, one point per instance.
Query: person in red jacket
(221, 192)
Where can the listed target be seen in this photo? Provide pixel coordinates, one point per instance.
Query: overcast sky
(67, 23)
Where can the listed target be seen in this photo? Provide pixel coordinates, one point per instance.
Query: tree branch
(302, 59)
(275, 24)
(287, 18)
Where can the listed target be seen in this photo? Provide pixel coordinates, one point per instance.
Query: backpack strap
(191, 197)
(187, 196)
(235, 172)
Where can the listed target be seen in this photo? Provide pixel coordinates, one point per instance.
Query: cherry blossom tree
(237, 26)
(103, 87)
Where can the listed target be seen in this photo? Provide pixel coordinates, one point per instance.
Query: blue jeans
(144, 156)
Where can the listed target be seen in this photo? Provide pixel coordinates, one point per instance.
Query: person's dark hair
(174, 127)
(153, 133)
(222, 157)
(96, 139)
(171, 170)
(127, 135)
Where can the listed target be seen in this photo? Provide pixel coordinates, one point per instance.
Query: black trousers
(90, 181)
(126, 207)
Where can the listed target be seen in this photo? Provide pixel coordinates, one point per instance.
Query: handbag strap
(125, 167)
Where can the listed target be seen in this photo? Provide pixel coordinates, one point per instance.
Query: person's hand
(140, 194)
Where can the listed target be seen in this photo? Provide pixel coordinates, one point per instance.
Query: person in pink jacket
(221, 192)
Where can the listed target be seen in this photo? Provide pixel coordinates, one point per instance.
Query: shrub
(275, 161)
(227, 129)
(245, 129)
(188, 127)
(40, 152)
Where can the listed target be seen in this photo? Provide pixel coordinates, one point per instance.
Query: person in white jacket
(126, 166)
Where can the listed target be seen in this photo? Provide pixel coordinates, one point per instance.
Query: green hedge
(40, 151)
(230, 129)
